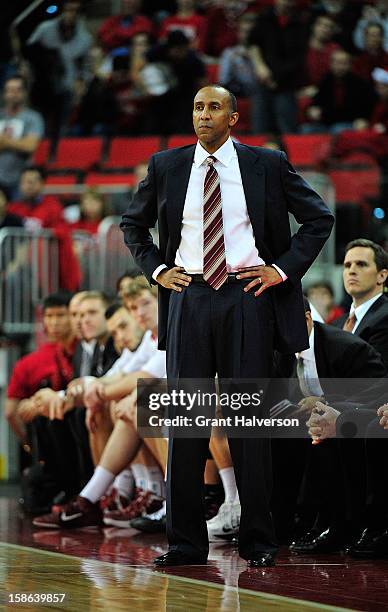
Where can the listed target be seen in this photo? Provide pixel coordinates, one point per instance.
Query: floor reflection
(112, 569)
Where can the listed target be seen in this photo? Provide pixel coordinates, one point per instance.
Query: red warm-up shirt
(48, 366)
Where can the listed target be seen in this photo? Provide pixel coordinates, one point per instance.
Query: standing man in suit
(365, 274)
(229, 275)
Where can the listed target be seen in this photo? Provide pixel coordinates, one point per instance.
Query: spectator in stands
(376, 13)
(96, 112)
(379, 119)
(40, 211)
(346, 13)
(222, 22)
(52, 442)
(373, 54)
(117, 31)
(173, 75)
(20, 131)
(278, 47)
(321, 295)
(122, 102)
(236, 69)
(7, 219)
(65, 41)
(319, 51)
(342, 99)
(187, 20)
(93, 209)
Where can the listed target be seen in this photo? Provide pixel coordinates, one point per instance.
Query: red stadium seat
(61, 179)
(77, 153)
(306, 150)
(244, 124)
(181, 141)
(42, 153)
(99, 178)
(254, 141)
(353, 186)
(57, 184)
(128, 152)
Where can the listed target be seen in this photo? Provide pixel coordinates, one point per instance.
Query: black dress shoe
(176, 557)
(329, 541)
(147, 525)
(302, 540)
(263, 560)
(372, 544)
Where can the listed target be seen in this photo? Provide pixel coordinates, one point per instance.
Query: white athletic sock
(155, 481)
(229, 484)
(98, 484)
(124, 484)
(140, 475)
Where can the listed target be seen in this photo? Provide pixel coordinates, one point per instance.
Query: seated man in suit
(333, 354)
(365, 273)
(327, 422)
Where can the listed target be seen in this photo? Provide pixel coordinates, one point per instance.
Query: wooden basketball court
(111, 569)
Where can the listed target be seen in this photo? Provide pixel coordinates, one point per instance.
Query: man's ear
(382, 276)
(233, 119)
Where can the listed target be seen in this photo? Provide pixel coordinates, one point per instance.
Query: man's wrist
(158, 271)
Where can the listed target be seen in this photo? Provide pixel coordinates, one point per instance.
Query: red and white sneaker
(144, 502)
(79, 512)
(113, 501)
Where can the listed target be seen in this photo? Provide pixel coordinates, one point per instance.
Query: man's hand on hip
(173, 278)
(264, 276)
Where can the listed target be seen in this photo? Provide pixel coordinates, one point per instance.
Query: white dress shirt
(361, 310)
(310, 367)
(240, 248)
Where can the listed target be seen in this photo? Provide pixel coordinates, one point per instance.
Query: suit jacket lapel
(253, 180)
(369, 314)
(178, 175)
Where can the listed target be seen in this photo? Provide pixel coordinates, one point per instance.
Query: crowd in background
(302, 66)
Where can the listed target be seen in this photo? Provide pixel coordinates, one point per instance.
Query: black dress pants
(230, 333)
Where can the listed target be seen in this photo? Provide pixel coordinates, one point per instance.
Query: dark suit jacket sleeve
(310, 210)
(378, 339)
(136, 221)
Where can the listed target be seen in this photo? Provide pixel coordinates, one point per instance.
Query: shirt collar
(361, 310)
(224, 154)
(308, 354)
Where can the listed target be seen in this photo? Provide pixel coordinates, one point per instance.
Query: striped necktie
(214, 259)
(350, 323)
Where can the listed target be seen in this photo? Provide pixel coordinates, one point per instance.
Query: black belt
(198, 278)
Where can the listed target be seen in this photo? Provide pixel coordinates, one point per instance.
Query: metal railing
(29, 269)
(28, 272)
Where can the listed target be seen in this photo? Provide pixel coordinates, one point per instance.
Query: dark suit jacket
(272, 189)
(340, 355)
(373, 327)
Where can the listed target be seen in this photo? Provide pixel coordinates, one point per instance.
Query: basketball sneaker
(79, 512)
(144, 502)
(226, 523)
